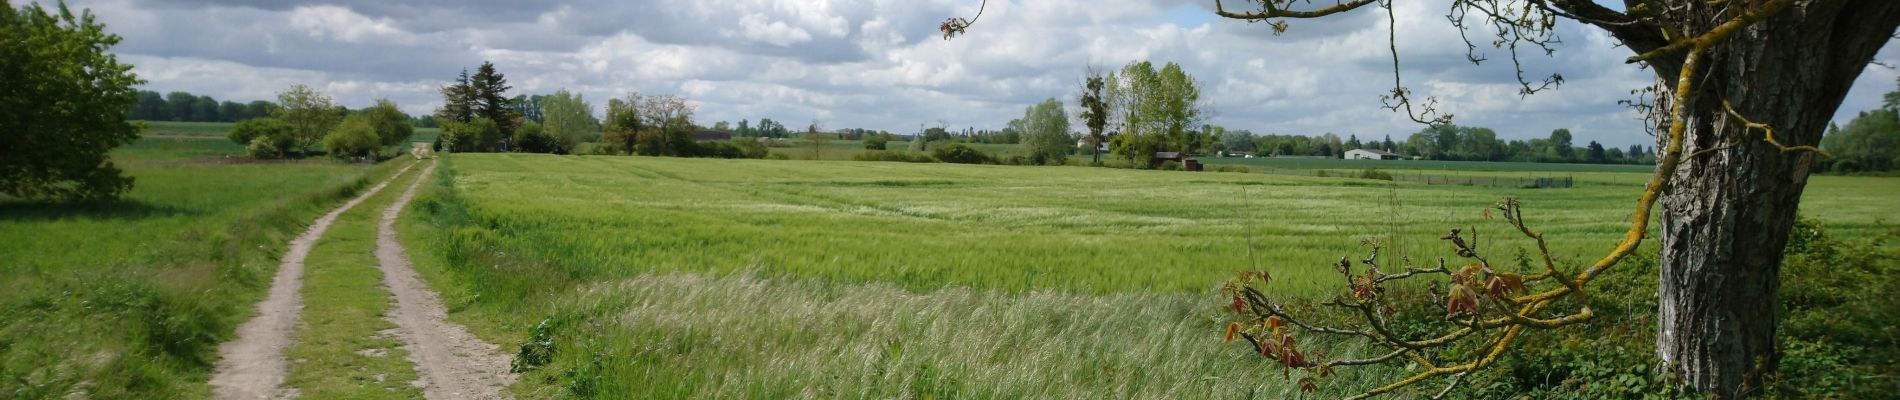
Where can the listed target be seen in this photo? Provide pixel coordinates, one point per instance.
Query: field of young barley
(644, 277)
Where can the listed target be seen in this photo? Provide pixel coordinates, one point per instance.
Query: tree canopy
(64, 105)
(1155, 110)
(1047, 126)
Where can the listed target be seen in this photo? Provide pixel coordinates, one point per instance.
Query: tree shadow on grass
(16, 210)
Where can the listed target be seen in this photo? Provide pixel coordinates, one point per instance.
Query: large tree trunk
(1726, 214)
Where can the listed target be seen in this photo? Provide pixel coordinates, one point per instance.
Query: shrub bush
(1375, 173)
(531, 138)
(593, 149)
(263, 137)
(892, 155)
(355, 137)
(264, 147)
(961, 154)
(749, 148)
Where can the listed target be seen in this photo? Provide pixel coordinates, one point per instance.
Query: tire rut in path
(252, 366)
(450, 362)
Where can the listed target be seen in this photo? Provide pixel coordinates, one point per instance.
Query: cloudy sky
(880, 64)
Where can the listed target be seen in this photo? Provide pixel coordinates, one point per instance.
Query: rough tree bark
(1726, 213)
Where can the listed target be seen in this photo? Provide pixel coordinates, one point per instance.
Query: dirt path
(452, 363)
(253, 366)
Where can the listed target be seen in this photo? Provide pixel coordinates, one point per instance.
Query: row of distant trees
(478, 115)
(184, 106)
(1870, 143)
(1443, 142)
(303, 119)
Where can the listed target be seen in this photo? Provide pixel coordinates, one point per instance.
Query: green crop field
(130, 299)
(661, 277)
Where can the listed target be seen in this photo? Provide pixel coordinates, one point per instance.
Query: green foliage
(355, 137)
(1869, 143)
(749, 148)
(271, 130)
(66, 97)
(960, 154)
(569, 119)
(876, 142)
(391, 125)
(1095, 113)
(530, 138)
(311, 115)
(489, 90)
(1838, 335)
(738, 148)
(1466, 143)
(481, 96)
(1158, 110)
(264, 137)
(152, 106)
(1048, 129)
(479, 135)
(458, 102)
(892, 155)
(267, 147)
(1376, 174)
(138, 313)
(624, 124)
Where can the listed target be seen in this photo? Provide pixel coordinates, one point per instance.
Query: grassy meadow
(662, 277)
(130, 299)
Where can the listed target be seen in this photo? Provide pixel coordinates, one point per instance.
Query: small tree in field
(63, 105)
(1094, 113)
(392, 126)
(310, 113)
(818, 140)
(1048, 129)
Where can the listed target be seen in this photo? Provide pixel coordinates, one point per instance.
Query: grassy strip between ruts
(342, 350)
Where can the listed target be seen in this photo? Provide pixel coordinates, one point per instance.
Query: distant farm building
(710, 136)
(1370, 154)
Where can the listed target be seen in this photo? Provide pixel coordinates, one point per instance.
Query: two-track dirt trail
(253, 366)
(452, 363)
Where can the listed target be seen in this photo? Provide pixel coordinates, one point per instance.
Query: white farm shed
(1370, 154)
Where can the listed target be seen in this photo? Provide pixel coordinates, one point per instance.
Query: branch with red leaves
(1485, 306)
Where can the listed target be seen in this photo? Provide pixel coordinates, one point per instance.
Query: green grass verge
(340, 351)
(130, 299)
